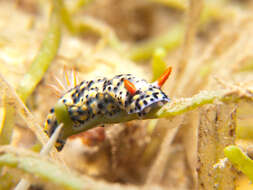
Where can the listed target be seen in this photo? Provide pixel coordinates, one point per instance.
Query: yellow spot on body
(92, 94)
(79, 103)
(84, 107)
(94, 107)
(83, 117)
(51, 118)
(149, 93)
(110, 107)
(82, 86)
(74, 111)
(101, 96)
(136, 97)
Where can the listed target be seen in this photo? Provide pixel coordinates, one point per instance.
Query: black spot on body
(126, 103)
(70, 111)
(155, 95)
(137, 92)
(61, 144)
(138, 105)
(81, 121)
(145, 102)
(130, 99)
(89, 101)
(52, 128)
(90, 83)
(89, 112)
(104, 84)
(100, 105)
(82, 90)
(52, 110)
(80, 111)
(48, 121)
(118, 76)
(75, 100)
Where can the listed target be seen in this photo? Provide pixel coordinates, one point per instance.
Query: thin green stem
(169, 41)
(158, 63)
(240, 160)
(42, 60)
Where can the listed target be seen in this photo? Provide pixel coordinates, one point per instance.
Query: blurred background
(209, 45)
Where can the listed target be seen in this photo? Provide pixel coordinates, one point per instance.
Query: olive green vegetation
(158, 63)
(169, 41)
(45, 169)
(240, 160)
(204, 97)
(37, 70)
(87, 25)
(42, 60)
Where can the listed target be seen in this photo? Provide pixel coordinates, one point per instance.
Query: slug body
(100, 101)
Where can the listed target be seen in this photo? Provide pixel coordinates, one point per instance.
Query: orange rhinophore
(130, 87)
(164, 77)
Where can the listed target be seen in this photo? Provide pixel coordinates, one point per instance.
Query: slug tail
(50, 126)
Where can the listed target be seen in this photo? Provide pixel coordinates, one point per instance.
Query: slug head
(143, 97)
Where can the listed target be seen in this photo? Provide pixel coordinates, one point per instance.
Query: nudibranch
(96, 102)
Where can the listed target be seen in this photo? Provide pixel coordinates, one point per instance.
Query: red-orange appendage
(130, 87)
(162, 79)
